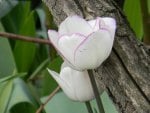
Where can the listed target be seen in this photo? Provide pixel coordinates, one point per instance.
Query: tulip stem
(96, 93)
(88, 106)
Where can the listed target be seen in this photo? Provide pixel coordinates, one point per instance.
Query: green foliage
(75, 107)
(133, 12)
(20, 97)
(21, 20)
(148, 6)
(7, 63)
(15, 94)
(5, 93)
(24, 52)
(14, 20)
(49, 83)
(108, 104)
(6, 6)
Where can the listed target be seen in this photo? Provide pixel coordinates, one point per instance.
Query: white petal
(75, 84)
(63, 82)
(93, 50)
(67, 76)
(53, 37)
(71, 65)
(110, 24)
(68, 44)
(68, 64)
(82, 85)
(74, 24)
(92, 23)
(95, 24)
(63, 65)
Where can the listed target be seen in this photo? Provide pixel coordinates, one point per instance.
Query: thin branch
(24, 38)
(96, 93)
(48, 99)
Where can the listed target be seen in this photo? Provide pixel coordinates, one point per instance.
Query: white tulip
(84, 44)
(75, 84)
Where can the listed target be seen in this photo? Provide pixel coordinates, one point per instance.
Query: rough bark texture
(125, 74)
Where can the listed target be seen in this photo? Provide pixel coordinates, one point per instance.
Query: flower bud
(75, 84)
(84, 44)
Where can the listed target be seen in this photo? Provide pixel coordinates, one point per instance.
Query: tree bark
(125, 74)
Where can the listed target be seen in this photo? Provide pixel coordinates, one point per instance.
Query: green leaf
(61, 104)
(148, 6)
(23, 108)
(21, 98)
(4, 79)
(16, 17)
(39, 68)
(107, 104)
(5, 92)
(21, 21)
(42, 17)
(109, 107)
(6, 6)
(65, 105)
(7, 63)
(49, 84)
(24, 52)
(133, 12)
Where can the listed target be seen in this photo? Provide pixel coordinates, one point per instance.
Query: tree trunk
(125, 74)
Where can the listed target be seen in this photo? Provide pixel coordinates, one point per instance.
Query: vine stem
(96, 93)
(88, 106)
(24, 38)
(48, 99)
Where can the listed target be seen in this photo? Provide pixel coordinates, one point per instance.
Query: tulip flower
(75, 84)
(84, 44)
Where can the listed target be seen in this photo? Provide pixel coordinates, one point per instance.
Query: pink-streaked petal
(92, 23)
(94, 50)
(74, 24)
(110, 23)
(103, 24)
(95, 24)
(100, 29)
(68, 44)
(53, 37)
